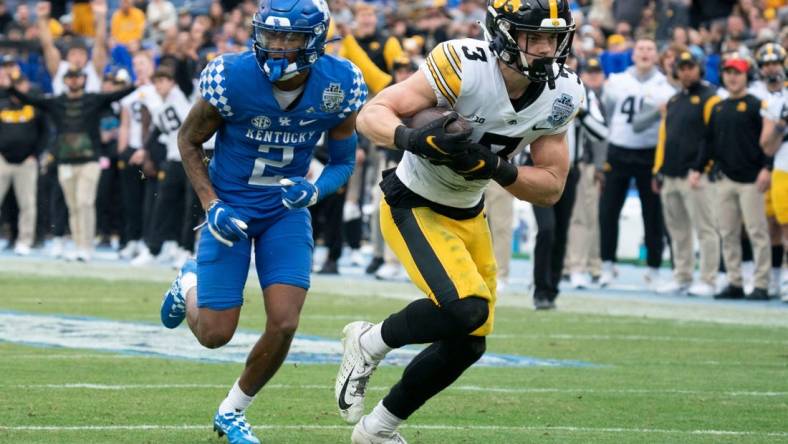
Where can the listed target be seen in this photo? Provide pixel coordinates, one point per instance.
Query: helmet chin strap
(280, 69)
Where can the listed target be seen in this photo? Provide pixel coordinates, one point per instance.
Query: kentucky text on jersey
(279, 136)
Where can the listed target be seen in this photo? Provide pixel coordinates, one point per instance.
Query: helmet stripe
(554, 12)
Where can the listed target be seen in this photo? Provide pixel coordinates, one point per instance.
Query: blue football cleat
(236, 428)
(173, 306)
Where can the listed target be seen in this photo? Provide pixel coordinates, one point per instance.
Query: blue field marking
(97, 334)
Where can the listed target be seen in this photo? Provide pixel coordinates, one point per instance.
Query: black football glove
(478, 162)
(431, 141)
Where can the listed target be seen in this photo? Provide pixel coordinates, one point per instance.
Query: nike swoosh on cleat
(342, 404)
(431, 142)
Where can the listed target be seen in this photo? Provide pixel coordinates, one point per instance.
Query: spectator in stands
(128, 23)
(76, 51)
(77, 149)
(630, 99)
(742, 176)
(161, 16)
(583, 250)
(685, 208)
(135, 122)
(23, 136)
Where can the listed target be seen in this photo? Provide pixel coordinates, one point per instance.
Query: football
(427, 115)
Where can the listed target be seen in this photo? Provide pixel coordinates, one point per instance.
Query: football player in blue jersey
(268, 108)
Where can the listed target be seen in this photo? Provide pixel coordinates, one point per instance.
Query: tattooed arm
(203, 120)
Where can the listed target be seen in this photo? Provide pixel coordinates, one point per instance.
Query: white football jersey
(465, 76)
(775, 101)
(628, 96)
(168, 116)
(134, 103)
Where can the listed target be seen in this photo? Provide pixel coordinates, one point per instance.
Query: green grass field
(656, 380)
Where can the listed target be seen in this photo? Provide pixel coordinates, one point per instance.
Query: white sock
(372, 343)
(235, 400)
(381, 421)
(188, 281)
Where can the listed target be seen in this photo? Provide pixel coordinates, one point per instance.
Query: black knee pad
(469, 313)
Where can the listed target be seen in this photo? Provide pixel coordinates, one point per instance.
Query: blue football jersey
(259, 143)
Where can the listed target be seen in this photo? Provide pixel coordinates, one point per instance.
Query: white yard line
(639, 338)
(463, 388)
(494, 428)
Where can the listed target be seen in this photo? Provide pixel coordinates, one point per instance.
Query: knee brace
(469, 313)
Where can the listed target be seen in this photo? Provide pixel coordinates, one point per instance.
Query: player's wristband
(505, 173)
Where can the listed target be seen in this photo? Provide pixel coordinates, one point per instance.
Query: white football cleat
(673, 287)
(608, 274)
(579, 280)
(701, 289)
(128, 252)
(362, 436)
(143, 258)
(354, 372)
(56, 251)
(21, 249)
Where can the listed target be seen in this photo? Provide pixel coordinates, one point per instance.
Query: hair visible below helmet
(505, 18)
(309, 17)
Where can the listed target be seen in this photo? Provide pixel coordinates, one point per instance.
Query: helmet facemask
(284, 50)
(503, 32)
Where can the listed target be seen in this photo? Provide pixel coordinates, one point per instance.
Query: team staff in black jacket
(686, 208)
(23, 135)
(742, 176)
(76, 116)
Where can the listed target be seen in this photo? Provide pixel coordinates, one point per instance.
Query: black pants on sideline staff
(109, 216)
(626, 164)
(133, 196)
(327, 222)
(168, 210)
(550, 249)
(58, 211)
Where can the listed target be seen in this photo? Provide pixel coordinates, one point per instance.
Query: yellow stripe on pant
(447, 259)
(779, 196)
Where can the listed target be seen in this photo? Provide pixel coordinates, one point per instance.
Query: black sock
(431, 371)
(777, 256)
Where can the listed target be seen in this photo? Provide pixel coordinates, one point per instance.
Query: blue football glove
(298, 192)
(224, 224)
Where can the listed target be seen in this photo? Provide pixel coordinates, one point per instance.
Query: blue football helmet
(291, 21)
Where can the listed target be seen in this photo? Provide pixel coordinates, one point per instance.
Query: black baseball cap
(687, 58)
(8, 59)
(74, 72)
(591, 64)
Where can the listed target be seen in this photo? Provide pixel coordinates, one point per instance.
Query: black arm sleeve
(706, 149)
(108, 98)
(37, 101)
(42, 134)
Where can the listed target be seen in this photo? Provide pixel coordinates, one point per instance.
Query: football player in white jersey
(771, 59)
(515, 92)
(772, 90)
(173, 215)
(134, 127)
(632, 144)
